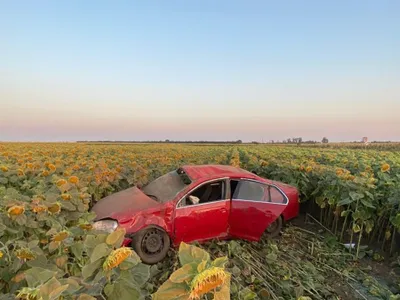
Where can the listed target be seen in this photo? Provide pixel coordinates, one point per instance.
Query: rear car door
(254, 206)
(206, 219)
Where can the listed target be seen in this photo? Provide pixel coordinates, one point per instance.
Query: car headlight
(105, 225)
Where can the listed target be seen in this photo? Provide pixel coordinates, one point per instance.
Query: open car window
(206, 193)
(167, 186)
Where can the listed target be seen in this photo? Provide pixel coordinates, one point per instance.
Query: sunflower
(59, 237)
(4, 168)
(20, 173)
(39, 208)
(1, 254)
(55, 208)
(339, 172)
(24, 253)
(61, 182)
(16, 210)
(73, 179)
(51, 167)
(308, 169)
(385, 167)
(116, 258)
(206, 281)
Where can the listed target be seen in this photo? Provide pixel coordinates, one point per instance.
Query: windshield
(166, 187)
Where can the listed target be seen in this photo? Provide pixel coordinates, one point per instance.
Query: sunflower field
(48, 249)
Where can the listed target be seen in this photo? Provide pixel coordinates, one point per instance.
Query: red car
(197, 203)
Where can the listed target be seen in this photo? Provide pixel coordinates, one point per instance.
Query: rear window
(276, 196)
(249, 190)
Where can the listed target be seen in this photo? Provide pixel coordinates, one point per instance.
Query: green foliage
(354, 191)
(46, 190)
(68, 266)
(197, 276)
(301, 265)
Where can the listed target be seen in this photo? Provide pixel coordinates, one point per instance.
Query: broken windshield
(167, 186)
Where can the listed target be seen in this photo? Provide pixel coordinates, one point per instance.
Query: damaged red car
(197, 203)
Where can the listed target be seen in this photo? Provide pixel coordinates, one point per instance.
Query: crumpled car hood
(123, 204)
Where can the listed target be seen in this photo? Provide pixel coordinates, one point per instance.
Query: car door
(254, 206)
(207, 219)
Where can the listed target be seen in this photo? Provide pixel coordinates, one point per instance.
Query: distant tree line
(298, 140)
(295, 140)
(163, 142)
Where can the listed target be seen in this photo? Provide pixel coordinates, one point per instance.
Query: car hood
(124, 203)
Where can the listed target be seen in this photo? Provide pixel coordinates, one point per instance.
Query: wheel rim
(152, 242)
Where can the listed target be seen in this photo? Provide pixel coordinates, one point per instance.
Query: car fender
(292, 209)
(141, 221)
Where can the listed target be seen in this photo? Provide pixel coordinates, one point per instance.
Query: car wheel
(151, 244)
(274, 228)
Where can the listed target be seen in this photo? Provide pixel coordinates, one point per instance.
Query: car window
(166, 187)
(250, 190)
(276, 196)
(206, 193)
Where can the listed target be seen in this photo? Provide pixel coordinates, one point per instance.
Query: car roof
(196, 172)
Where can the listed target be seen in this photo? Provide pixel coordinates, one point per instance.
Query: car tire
(151, 244)
(274, 229)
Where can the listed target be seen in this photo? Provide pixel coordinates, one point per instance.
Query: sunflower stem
(343, 228)
(359, 240)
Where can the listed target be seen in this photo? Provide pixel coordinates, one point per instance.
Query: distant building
(364, 140)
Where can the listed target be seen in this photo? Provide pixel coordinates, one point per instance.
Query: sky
(199, 70)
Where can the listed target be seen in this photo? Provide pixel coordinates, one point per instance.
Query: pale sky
(208, 70)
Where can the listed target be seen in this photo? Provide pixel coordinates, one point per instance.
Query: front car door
(203, 213)
(254, 206)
